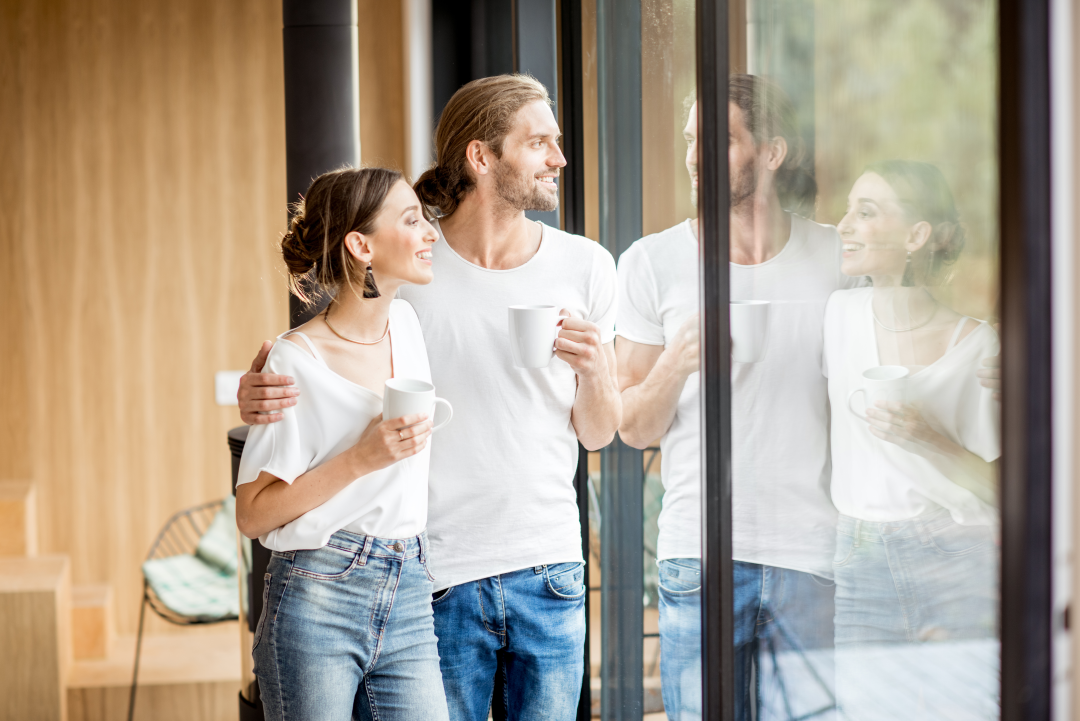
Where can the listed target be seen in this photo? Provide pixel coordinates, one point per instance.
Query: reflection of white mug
(883, 383)
(749, 330)
(404, 396)
(533, 330)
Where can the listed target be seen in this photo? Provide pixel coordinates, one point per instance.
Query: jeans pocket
(427, 571)
(565, 580)
(957, 540)
(678, 579)
(440, 596)
(261, 626)
(845, 549)
(328, 563)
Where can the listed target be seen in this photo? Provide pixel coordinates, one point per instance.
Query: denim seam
(483, 613)
(389, 609)
(273, 643)
(761, 599)
(902, 592)
(502, 605)
(329, 577)
(371, 699)
(371, 620)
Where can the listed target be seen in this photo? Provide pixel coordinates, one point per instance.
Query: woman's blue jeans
(347, 633)
(916, 618)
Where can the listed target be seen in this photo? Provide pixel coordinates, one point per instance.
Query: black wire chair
(179, 536)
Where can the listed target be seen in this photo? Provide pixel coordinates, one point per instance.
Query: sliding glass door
(830, 496)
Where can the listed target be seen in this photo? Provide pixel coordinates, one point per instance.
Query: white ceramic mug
(881, 383)
(533, 330)
(405, 396)
(749, 330)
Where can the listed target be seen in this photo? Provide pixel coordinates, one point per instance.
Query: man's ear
(358, 246)
(479, 157)
(777, 152)
(920, 234)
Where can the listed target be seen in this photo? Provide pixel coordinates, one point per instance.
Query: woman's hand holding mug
(384, 443)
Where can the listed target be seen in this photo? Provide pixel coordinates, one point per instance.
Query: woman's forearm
(968, 471)
(270, 502)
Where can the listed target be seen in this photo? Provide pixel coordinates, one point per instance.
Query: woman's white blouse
(875, 480)
(328, 418)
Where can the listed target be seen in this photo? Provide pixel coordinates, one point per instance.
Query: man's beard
(743, 185)
(520, 191)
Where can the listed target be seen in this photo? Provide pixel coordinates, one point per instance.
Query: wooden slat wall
(142, 169)
(382, 83)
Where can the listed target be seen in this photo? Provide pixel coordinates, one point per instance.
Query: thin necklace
(326, 317)
(903, 330)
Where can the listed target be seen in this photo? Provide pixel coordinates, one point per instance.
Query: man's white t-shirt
(781, 511)
(875, 480)
(501, 490)
(328, 418)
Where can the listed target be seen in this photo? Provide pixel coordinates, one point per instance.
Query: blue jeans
(347, 633)
(527, 628)
(916, 613)
(783, 634)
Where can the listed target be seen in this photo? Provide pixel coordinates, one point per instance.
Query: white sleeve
(280, 448)
(826, 325)
(639, 317)
(604, 294)
(980, 414)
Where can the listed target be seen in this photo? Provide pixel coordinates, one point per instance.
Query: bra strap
(310, 345)
(956, 333)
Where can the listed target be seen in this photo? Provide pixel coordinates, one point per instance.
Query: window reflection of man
(783, 519)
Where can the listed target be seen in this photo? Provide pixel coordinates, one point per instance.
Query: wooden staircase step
(192, 674)
(35, 637)
(91, 621)
(18, 518)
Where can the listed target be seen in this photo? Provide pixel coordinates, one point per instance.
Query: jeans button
(398, 548)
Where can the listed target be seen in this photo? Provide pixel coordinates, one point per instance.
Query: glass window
(863, 281)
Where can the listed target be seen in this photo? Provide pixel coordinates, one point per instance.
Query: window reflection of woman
(914, 481)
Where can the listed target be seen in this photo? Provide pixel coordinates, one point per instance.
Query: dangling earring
(370, 289)
(907, 281)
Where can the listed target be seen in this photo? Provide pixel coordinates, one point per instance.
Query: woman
(913, 465)
(338, 494)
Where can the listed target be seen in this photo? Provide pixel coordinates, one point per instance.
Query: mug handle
(450, 413)
(851, 397)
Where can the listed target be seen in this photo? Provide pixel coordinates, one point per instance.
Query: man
(784, 523)
(503, 520)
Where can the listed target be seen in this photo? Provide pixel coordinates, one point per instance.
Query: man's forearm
(597, 411)
(649, 407)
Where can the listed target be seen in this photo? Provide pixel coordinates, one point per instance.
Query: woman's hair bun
(298, 257)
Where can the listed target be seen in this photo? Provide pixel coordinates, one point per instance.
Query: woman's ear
(919, 235)
(358, 247)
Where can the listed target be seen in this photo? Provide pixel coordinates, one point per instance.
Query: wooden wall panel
(145, 163)
(382, 83)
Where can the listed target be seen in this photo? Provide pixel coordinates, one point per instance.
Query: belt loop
(858, 532)
(367, 549)
(923, 530)
(423, 547)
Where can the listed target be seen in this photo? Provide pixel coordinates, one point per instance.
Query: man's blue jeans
(775, 609)
(527, 628)
(347, 632)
